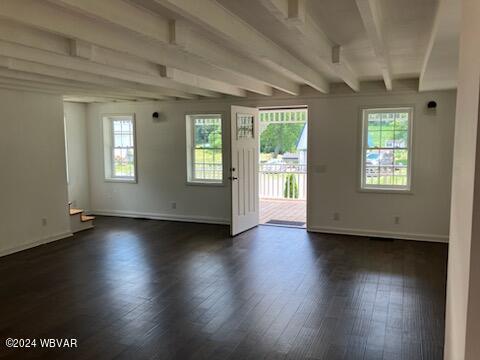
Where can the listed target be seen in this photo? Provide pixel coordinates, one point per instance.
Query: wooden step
(75, 211)
(80, 222)
(86, 218)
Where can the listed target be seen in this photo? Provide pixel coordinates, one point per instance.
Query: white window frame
(190, 148)
(407, 189)
(108, 146)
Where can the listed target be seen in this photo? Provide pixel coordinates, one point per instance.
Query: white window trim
(108, 177)
(189, 131)
(364, 137)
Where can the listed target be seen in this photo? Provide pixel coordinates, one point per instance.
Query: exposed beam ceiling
(40, 14)
(59, 90)
(88, 99)
(168, 87)
(168, 49)
(122, 14)
(374, 25)
(193, 43)
(292, 10)
(204, 82)
(16, 70)
(210, 15)
(162, 30)
(292, 13)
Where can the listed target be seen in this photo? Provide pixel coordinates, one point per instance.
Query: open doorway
(283, 166)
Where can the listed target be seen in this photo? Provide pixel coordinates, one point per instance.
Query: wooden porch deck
(285, 210)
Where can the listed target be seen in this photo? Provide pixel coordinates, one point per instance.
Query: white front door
(244, 168)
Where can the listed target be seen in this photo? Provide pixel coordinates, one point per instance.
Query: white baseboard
(375, 233)
(35, 243)
(158, 216)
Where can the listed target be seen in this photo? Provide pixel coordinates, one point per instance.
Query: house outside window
(386, 149)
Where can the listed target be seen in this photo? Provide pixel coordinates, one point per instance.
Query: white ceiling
(123, 50)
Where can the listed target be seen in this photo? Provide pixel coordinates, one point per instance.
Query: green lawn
(211, 156)
(264, 157)
(124, 169)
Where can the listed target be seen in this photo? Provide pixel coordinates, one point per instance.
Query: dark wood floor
(141, 289)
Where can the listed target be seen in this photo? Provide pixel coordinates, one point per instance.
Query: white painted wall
(334, 142)
(161, 156)
(32, 182)
(76, 131)
(463, 283)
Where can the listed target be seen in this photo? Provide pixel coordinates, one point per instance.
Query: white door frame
(307, 167)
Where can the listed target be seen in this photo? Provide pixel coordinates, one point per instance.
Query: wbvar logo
(59, 343)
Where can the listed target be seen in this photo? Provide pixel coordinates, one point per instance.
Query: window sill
(127, 181)
(204, 183)
(386, 191)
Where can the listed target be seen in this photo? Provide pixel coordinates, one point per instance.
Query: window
(119, 148)
(204, 148)
(386, 150)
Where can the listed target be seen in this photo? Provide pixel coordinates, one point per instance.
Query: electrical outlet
(44, 222)
(396, 220)
(173, 205)
(336, 216)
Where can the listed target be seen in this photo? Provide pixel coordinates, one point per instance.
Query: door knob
(233, 178)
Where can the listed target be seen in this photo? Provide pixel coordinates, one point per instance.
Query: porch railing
(283, 181)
